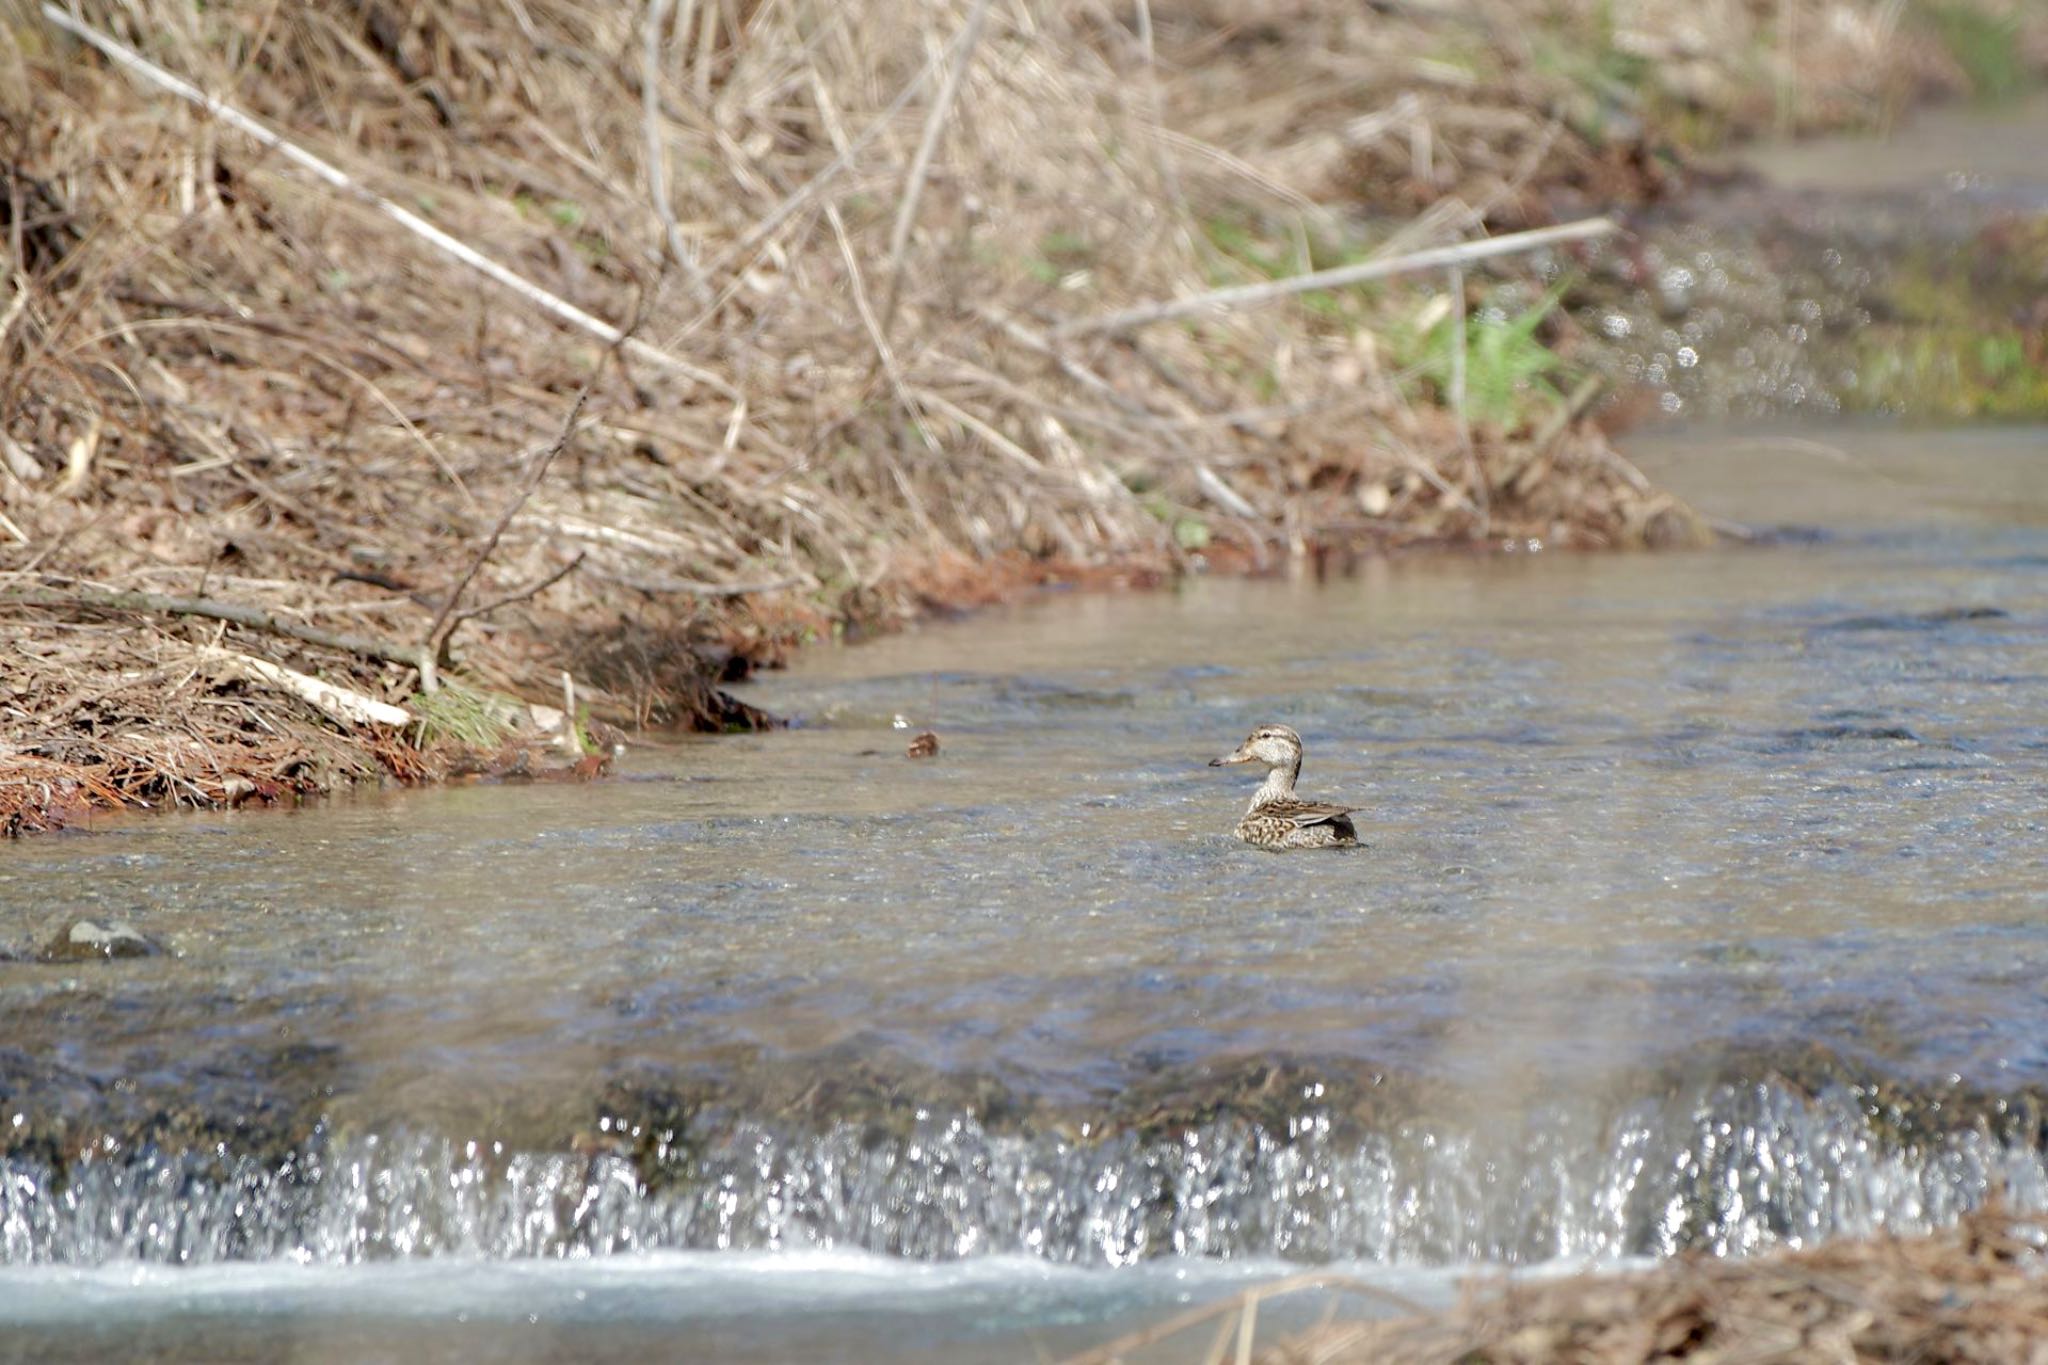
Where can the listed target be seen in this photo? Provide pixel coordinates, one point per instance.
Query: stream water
(1704, 905)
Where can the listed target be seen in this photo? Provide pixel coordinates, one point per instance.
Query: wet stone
(84, 939)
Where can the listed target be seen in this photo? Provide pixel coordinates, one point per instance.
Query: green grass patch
(1508, 368)
(1950, 371)
(1985, 45)
(461, 716)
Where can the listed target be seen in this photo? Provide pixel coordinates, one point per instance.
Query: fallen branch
(212, 609)
(1251, 295)
(661, 584)
(339, 703)
(412, 222)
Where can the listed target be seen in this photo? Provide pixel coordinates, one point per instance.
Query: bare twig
(1460, 357)
(886, 358)
(571, 733)
(212, 609)
(662, 584)
(1250, 295)
(522, 595)
(928, 145)
(445, 621)
(1155, 102)
(760, 232)
(680, 251)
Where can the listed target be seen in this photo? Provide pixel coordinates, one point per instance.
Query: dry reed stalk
(1218, 301)
(921, 160)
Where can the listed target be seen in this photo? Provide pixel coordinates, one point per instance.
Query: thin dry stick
(928, 145)
(679, 250)
(803, 194)
(211, 609)
(1460, 339)
(884, 356)
(1155, 101)
(1224, 1331)
(1567, 412)
(412, 222)
(707, 44)
(1251, 295)
(571, 732)
(1157, 1332)
(522, 595)
(887, 359)
(1247, 1328)
(445, 621)
(659, 584)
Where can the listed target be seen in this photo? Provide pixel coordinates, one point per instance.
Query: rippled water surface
(1704, 903)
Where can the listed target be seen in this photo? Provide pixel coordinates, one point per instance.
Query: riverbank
(815, 322)
(1973, 1292)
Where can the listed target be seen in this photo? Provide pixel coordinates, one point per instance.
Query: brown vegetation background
(853, 245)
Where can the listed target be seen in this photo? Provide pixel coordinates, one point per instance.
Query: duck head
(1276, 746)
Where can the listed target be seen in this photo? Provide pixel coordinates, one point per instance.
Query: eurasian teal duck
(1278, 819)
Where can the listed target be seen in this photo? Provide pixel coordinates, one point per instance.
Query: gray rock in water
(83, 939)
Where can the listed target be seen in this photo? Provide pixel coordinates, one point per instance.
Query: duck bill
(1238, 756)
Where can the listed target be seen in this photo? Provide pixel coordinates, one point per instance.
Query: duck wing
(1305, 813)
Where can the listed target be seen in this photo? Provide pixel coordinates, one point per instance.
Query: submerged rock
(83, 939)
(1917, 620)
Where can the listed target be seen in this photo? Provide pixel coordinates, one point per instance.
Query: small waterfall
(1728, 1169)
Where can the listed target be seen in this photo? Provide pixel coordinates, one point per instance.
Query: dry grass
(1974, 1293)
(853, 228)
(1977, 1293)
(100, 716)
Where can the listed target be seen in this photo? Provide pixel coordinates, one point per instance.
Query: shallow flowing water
(1705, 904)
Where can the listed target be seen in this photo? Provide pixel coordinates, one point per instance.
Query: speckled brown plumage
(1277, 819)
(1298, 824)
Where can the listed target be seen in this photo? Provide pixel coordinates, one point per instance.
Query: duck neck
(1279, 784)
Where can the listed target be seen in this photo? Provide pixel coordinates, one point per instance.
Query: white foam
(672, 1286)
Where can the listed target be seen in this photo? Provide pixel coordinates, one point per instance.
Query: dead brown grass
(220, 375)
(1976, 1293)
